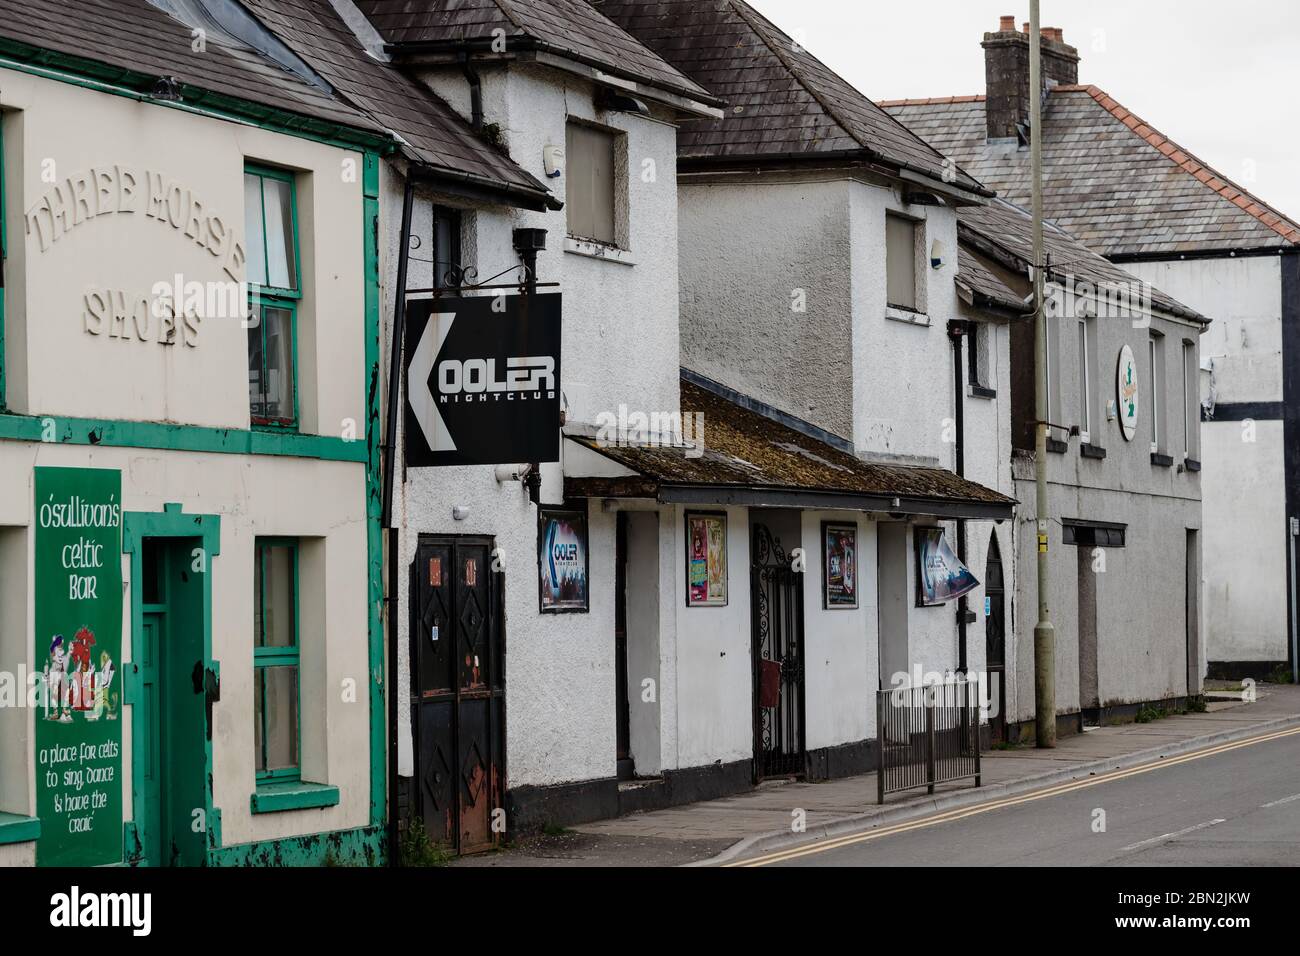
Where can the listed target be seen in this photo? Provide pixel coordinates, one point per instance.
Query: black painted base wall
(1068, 725)
(1240, 670)
(532, 809)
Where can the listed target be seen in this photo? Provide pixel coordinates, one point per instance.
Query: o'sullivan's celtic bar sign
(78, 578)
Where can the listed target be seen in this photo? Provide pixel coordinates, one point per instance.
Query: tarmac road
(1235, 804)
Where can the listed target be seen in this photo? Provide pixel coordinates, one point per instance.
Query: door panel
(458, 697)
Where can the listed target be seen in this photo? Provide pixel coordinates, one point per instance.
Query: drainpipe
(390, 441)
(475, 91)
(956, 332)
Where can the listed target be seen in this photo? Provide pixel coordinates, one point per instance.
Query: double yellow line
(961, 814)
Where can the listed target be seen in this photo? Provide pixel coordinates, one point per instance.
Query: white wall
(714, 672)
(751, 253)
(902, 372)
(841, 663)
(1243, 483)
(620, 347)
(1245, 549)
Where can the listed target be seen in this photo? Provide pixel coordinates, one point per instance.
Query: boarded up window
(900, 261)
(589, 159)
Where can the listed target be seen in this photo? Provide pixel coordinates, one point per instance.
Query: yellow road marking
(961, 814)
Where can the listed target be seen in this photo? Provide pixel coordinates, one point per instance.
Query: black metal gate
(927, 735)
(458, 692)
(777, 596)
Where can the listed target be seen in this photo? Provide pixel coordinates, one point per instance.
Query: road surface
(1236, 804)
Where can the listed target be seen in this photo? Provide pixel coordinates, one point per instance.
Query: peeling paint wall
(65, 371)
(620, 347)
(1245, 547)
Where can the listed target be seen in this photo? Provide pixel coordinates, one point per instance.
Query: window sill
(15, 828)
(909, 316)
(294, 795)
(598, 250)
(979, 391)
(1092, 451)
(1057, 447)
(1163, 461)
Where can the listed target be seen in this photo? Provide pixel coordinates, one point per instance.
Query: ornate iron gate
(458, 691)
(777, 596)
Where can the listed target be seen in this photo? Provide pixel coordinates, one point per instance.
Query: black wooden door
(458, 705)
(776, 592)
(995, 644)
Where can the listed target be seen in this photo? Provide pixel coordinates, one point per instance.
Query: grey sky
(1216, 77)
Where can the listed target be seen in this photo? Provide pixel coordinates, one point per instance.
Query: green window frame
(275, 649)
(266, 295)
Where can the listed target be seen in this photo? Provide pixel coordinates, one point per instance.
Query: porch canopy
(762, 458)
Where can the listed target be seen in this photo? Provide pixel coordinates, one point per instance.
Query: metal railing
(926, 736)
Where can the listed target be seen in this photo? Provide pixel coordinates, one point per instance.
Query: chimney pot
(1006, 70)
(1008, 25)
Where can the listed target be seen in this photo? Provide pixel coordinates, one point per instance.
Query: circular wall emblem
(1126, 384)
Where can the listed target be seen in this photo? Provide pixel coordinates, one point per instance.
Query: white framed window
(1085, 383)
(591, 190)
(1156, 389)
(1191, 401)
(902, 240)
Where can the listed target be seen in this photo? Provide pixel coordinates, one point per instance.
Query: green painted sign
(78, 578)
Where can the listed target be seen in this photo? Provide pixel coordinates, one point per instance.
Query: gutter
(472, 186)
(835, 501)
(862, 156)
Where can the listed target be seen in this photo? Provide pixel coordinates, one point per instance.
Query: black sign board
(482, 380)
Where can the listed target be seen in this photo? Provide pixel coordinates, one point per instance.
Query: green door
(148, 731)
(169, 787)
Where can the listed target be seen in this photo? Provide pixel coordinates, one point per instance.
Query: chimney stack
(1006, 74)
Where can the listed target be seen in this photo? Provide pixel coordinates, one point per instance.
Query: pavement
(763, 820)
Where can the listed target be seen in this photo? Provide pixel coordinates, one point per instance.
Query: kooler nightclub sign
(483, 380)
(941, 576)
(562, 561)
(78, 578)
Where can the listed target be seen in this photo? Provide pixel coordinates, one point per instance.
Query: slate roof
(134, 36)
(1005, 233)
(136, 43)
(570, 28)
(430, 131)
(745, 449)
(986, 288)
(781, 101)
(1110, 179)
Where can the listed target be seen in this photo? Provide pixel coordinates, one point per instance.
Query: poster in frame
(839, 566)
(563, 561)
(706, 559)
